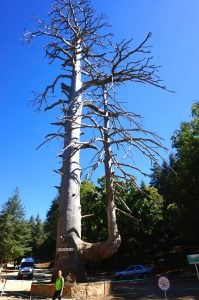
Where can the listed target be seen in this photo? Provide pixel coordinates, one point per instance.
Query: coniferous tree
(177, 181)
(14, 230)
(38, 236)
(50, 227)
(186, 143)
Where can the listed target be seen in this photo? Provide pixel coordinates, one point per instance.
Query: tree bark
(72, 252)
(68, 258)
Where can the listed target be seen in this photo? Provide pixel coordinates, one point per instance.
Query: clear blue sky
(175, 41)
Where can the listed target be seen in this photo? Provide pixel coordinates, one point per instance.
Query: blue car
(133, 271)
(26, 268)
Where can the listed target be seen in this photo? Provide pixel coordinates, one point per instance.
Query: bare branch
(92, 68)
(125, 205)
(87, 216)
(55, 104)
(127, 214)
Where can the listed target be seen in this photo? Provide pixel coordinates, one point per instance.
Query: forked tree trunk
(77, 35)
(71, 251)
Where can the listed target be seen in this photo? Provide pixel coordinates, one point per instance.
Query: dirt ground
(181, 287)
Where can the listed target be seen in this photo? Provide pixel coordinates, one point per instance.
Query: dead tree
(90, 65)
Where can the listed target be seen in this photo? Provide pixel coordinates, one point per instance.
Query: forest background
(161, 215)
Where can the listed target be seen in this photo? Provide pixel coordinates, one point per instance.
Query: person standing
(59, 286)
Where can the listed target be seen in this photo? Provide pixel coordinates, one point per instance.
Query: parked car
(133, 271)
(26, 268)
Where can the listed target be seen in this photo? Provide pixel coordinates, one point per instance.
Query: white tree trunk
(69, 222)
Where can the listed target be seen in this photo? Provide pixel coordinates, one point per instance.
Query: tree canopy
(178, 180)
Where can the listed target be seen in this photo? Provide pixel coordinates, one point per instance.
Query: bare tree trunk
(100, 250)
(111, 209)
(68, 257)
(78, 42)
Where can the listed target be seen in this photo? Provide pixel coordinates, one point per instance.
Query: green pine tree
(14, 230)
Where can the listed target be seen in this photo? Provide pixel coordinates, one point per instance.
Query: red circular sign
(164, 283)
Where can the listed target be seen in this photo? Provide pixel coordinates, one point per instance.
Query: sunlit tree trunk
(89, 62)
(68, 257)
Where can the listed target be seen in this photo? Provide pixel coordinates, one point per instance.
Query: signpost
(193, 259)
(164, 284)
(65, 249)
